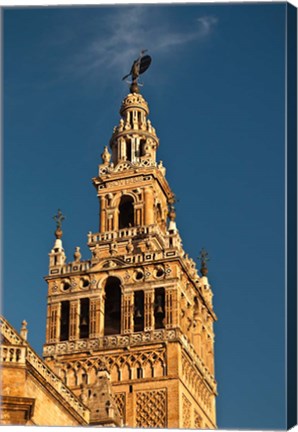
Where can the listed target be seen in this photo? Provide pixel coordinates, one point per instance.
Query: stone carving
(129, 246)
(113, 248)
(96, 252)
(123, 182)
(120, 401)
(196, 384)
(186, 409)
(151, 408)
(198, 421)
(110, 341)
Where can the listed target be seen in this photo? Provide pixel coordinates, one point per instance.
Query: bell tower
(133, 325)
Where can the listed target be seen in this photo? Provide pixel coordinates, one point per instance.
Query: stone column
(148, 310)
(149, 212)
(127, 307)
(211, 354)
(102, 214)
(94, 317)
(168, 308)
(52, 325)
(101, 303)
(197, 337)
(171, 307)
(138, 214)
(74, 319)
(57, 320)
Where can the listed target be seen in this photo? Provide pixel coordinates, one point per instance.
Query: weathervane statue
(139, 66)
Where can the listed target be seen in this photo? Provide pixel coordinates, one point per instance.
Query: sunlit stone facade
(130, 331)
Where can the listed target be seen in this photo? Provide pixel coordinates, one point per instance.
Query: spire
(57, 255)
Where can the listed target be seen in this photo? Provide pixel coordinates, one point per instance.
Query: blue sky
(216, 93)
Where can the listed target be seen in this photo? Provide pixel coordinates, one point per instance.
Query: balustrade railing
(122, 233)
(22, 353)
(12, 354)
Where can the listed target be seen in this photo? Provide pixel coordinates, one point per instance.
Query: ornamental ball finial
(59, 218)
(204, 257)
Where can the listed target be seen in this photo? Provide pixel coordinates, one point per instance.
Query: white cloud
(126, 32)
(207, 23)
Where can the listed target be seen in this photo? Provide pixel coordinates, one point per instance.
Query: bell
(84, 321)
(159, 310)
(138, 314)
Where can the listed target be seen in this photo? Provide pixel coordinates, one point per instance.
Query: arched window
(64, 321)
(126, 212)
(112, 306)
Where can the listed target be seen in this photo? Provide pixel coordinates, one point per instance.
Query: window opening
(126, 212)
(112, 306)
(64, 322)
(128, 151)
(84, 318)
(139, 311)
(159, 308)
(142, 147)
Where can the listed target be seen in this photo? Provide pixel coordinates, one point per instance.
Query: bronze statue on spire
(139, 66)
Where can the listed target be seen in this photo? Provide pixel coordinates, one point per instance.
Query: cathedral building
(129, 332)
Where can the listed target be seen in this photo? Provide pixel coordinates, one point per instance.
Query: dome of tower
(134, 101)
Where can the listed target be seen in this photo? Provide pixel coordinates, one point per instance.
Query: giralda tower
(130, 330)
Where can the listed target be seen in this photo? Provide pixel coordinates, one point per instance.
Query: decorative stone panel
(198, 421)
(186, 412)
(151, 408)
(120, 400)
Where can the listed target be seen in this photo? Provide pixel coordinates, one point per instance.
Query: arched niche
(112, 316)
(126, 212)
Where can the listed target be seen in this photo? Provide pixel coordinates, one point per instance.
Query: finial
(77, 254)
(59, 218)
(172, 213)
(139, 66)
(24, 330)
(172, 216)
(106, 156)
(204, 257)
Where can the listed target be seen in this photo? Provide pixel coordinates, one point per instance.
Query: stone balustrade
(12, 354)
(122, 233)
(21, 353)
